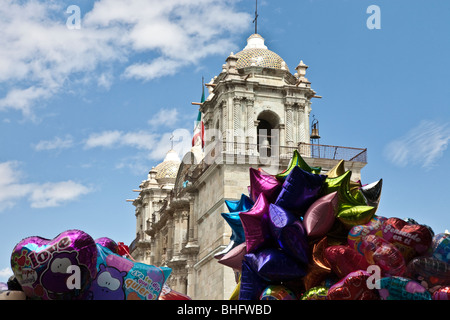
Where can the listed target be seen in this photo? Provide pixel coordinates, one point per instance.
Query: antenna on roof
(255, 21)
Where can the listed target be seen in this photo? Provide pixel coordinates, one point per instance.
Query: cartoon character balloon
(46, 268)
(357, 233)
(119, 278)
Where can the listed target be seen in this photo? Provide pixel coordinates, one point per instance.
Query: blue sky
(85, 113)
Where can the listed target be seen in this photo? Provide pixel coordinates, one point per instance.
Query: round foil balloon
(399, 288)
(58, 269)
(108, 243)
(430, 270)
(443, 293)
(356, 233)
(277, 292)
(411, 239)
(441, 247)
(384, 254)
(318, 268)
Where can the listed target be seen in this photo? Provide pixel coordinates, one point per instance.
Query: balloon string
(124, 249)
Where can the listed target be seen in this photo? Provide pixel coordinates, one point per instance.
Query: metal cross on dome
(255, 21)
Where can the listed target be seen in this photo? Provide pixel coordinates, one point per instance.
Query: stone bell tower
(256, 100)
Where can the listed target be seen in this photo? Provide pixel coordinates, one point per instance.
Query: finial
(255, 21)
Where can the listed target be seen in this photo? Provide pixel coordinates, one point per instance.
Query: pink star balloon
(261, 182)
(252, 222)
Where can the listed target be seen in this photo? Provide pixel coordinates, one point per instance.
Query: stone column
(184, 227)
(251, 129)
(237, 114)
(170, 238)
(289, 124)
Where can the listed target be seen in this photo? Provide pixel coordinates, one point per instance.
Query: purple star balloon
(300, 190)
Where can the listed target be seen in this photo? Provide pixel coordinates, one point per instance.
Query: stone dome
(257, 54)
(166, 171)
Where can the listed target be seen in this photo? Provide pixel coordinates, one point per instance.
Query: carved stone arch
(267, 121)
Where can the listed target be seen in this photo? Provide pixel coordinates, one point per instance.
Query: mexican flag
(199, 128)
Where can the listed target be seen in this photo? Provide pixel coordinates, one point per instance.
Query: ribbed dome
(257, 54)
(167, 170)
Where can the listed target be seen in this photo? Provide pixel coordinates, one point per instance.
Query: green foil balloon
(297, 160)
(353, 209)
(334, 184)
(316, 293)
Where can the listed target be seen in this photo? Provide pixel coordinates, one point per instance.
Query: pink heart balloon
(320, 216)
(344, 260)
(353, 287)
(42, 266)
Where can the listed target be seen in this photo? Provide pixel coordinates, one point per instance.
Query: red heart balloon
(411, 239)
(353, 287)
(344, 260)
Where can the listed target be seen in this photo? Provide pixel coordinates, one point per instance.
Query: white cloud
(39, 55)
(165, 117)
(105, 139)
(39, 195)
(56, 143)
(151, 146)
(114, 139)
(5, 273)
(105, 80)
(55, 194)
(422, 145)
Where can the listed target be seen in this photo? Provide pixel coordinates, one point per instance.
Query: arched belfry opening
(267, 131)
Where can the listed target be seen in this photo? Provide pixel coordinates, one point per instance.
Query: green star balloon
(334, 184)
(353, 209)
(297, 160)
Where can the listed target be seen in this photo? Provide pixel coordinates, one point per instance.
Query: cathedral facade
(256, 114)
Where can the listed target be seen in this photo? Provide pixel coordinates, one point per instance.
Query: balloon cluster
(74, 266)
(304, 235)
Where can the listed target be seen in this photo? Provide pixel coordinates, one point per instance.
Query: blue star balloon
(233, 219)
(243, 204)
